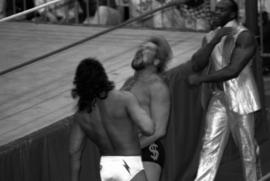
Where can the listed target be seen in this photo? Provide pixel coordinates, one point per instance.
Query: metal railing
(28, 11)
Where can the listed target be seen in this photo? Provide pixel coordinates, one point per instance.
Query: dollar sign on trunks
(154, 151)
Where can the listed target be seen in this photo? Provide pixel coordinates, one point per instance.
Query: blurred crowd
(194, 14)
(191, 14)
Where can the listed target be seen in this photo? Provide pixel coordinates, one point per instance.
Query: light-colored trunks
(120, 168)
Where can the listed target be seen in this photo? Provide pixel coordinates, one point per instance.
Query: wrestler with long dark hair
(110, 118)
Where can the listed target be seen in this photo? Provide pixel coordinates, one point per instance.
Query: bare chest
(142, 93)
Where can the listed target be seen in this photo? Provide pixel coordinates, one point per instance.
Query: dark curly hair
(90, 83)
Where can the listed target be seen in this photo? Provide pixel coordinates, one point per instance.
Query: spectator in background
(197, 14)
(63, 11)
(194, 14)
(166, 18)
(88, 9)
(106, 13)
(2, 8)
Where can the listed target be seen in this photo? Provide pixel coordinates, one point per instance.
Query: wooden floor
(38, 95)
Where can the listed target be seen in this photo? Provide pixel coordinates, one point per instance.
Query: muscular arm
(159, 110)
(139, 116)
(77, 143)
(200, 59)
(244, 50)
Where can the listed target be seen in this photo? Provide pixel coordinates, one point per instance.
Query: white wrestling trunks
(120, 168)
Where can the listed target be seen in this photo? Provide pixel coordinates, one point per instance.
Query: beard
(138, 64)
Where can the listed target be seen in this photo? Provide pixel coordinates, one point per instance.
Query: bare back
(111, 126)
(119, 128)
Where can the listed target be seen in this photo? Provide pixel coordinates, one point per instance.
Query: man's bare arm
(244, 50)
(139, 116)
(77, 144)
(159, 111)
(200, 58)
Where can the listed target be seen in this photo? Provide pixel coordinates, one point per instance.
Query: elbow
(233, 72)
(150, 131)
(151, 128)
(234, 75)
(162, 133)
(229, 73)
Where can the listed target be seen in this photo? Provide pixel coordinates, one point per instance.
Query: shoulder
(129, 99)
(158, 86)
(246, 38)
(126, 96)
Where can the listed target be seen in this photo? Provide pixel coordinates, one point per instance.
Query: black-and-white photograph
(134, 90)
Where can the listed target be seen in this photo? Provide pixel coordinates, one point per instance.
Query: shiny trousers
(220, 121)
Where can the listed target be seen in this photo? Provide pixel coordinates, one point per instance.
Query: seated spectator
(166, 18)
(63, 11)
(106, 14)
(88, 8)
(197, 15)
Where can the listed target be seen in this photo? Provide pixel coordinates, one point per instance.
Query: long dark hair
(90, 83)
